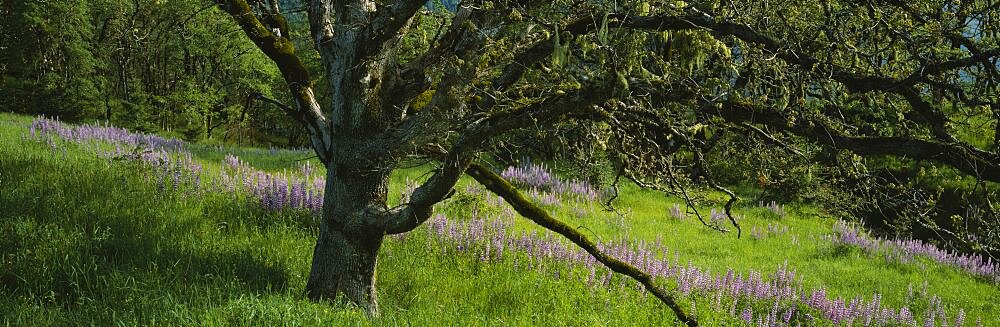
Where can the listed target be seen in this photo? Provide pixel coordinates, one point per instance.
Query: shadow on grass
(73, 231)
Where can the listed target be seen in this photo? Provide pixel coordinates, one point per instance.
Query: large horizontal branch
(949, 150)
(540, 50)
(946, 149)
(702, 21)
(974, 162)
(474, 136)
(935, 119)
(437, 188)
(855, 82)
(526, 208)
(530, 56)
(973, 46)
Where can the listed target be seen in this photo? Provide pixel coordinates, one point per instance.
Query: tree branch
(282, 52)
(413, 78)
(473, 137)
(978, 163)
(390, 20)
(523, 206)
(276, 103)
(438, 187)
(770, 138)
(699, 159)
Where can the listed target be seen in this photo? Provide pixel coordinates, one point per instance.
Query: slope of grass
(88, 240)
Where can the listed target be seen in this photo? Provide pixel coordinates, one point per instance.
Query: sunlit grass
(87, 240)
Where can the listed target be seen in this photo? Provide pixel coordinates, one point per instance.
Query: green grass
(88, 241)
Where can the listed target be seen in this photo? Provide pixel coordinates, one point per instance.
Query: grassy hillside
(98, 232)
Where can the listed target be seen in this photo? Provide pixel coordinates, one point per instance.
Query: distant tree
(44, 60)
(655, 80)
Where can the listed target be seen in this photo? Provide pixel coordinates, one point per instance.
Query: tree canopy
(655, 83)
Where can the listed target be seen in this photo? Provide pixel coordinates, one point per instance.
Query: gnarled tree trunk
(346, 253)
(345, 263)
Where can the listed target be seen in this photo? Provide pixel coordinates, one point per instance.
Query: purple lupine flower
(281, 188)
(676, 212)
(541, 179)
(905, 250)
(177, 179)
(485, 236)
(905, 315)
(297, 195)
(82, 133)
(717, 217)
(747, 315)
(776, 208)
(306, 169)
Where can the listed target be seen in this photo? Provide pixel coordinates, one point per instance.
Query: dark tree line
(175, 66)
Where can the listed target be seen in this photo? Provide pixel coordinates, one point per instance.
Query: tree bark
(345, 264)
(346, 252)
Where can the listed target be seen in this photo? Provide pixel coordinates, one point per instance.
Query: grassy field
(90, 240)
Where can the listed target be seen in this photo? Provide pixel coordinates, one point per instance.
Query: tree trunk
(344, 263)
(346, 253)
(107, 107)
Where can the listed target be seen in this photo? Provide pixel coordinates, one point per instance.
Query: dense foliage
(172, 66)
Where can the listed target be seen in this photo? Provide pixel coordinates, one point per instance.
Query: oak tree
(654, 80)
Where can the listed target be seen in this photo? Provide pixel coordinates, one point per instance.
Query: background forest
(178, 67)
